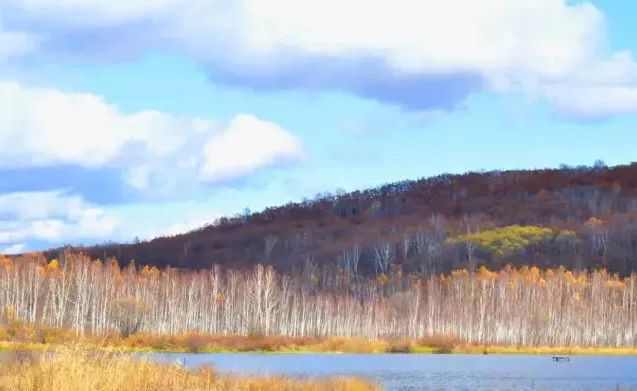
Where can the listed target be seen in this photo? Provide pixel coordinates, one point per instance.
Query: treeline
(413, 224)
(523, 306)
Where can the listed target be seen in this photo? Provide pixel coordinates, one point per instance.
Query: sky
(141, 118)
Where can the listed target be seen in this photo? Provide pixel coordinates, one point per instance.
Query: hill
(582, 217)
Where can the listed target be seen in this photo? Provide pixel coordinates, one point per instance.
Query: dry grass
(559, 350)
(197, 343)
(76, 369)
(26, 337)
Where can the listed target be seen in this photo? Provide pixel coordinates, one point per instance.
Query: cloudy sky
(138, 118)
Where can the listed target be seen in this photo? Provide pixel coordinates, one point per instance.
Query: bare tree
(384, 255)
(269, 242)
(128, 315)
(406, 245)
(525, 307)
(348, 262)
(187, 246)
(470, 248)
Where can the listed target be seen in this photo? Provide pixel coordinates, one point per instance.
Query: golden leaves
(594, 223)
(506, 240)
(53, 265)
(5, 262)
(149, 271)
(382, 279)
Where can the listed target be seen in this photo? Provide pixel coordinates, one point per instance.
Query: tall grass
(24, 336)
(78, 369)
(21, 336)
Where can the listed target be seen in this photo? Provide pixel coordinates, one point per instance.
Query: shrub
(398, 346)
(442, 344)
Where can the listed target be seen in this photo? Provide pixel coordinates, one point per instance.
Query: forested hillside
(576, 217)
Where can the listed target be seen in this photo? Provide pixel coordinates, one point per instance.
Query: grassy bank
(20, 336)
(29, 338)
(554, 350)
(78, 369)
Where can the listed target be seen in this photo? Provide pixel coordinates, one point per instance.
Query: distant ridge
(428, 225)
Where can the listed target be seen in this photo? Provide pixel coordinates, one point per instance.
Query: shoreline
(11, 346)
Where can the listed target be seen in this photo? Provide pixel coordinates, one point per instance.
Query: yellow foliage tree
(506, 240)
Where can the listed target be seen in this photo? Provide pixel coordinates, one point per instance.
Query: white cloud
(142, 220)
(138, 177)
(13, 44)
(44, 126)
(187, 225)
(412, 35)
(500, 36)
(592, 102)
(605, 88)
(246, 145)
(16, 248)
(36, 220)
(110, 12)
(51, 216)
(540, 47)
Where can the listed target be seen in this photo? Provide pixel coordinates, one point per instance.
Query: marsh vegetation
(77, 369)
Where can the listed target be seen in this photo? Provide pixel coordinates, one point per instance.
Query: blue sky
(145, 118)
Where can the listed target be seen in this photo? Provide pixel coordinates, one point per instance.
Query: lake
(434, 372)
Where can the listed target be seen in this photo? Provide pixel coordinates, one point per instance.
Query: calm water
(435, 372)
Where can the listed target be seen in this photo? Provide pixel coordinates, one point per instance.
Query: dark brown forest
(581, 218)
